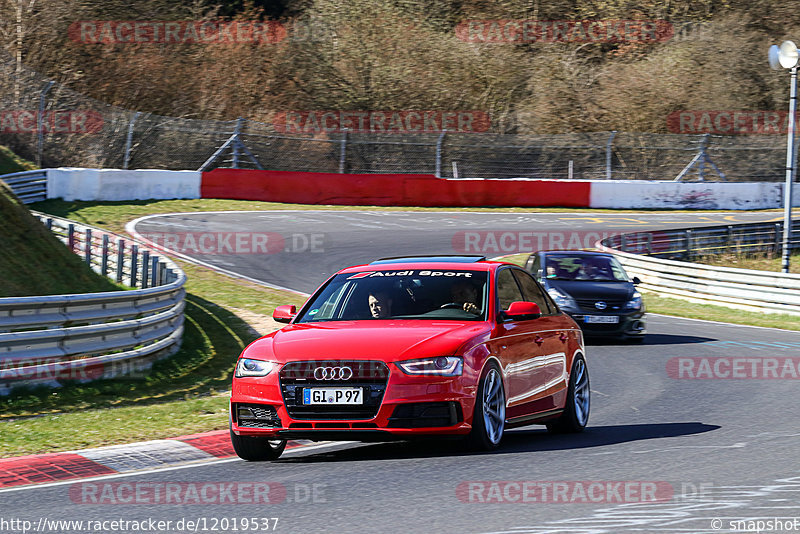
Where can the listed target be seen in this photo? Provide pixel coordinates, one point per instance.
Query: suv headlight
(250, 367)
(635, 303)
(562, 299)
(439, 366)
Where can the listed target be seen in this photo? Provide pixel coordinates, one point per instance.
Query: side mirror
(636, 281)
(285, 313)
(522, 310)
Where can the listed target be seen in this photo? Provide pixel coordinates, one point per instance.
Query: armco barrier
(762, 291)
(45, 340)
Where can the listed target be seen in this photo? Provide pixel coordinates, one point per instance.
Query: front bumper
(402, 407)
(628, 325)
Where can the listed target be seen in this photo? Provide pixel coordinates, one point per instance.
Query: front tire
(255, 449)
(489, 417)
(576, 411)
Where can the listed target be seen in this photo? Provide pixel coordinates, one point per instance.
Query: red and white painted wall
(409, 190)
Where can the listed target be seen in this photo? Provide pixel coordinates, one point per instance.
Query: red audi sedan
(408, 347)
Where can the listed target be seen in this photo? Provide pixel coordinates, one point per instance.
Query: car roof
(575, 252)
(469, 263)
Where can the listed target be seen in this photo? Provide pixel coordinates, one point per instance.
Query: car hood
(594, 290)
(388, 340)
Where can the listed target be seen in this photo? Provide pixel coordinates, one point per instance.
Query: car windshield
(584, 268)
(406, 294)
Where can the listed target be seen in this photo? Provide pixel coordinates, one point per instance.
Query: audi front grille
(370, 376)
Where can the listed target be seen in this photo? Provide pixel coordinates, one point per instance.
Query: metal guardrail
(29, 186)
(661, 260)
(45, 340)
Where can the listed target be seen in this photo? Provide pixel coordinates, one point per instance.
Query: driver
(465, 294)
(380, 305)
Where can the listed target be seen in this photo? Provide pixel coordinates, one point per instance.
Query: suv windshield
(407, 294)
(584, 268)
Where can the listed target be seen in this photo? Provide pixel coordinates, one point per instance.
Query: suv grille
(370, 376)
(611, 305)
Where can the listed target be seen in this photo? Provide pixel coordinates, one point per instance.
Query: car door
(549, 374)
(523, 346)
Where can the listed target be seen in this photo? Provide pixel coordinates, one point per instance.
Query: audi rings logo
(333, 373)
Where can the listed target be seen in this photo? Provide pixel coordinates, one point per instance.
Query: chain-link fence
(53, 125)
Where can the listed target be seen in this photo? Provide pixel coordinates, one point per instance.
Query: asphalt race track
(725, 449)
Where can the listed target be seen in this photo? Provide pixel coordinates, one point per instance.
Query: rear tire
(576, 412)
(255, 449)
(489, 416)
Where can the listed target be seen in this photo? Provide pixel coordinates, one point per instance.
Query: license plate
(332, 396)
(608, 319)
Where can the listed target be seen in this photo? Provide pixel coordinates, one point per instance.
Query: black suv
(594, 289)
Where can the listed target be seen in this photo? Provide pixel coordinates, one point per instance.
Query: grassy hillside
(10, 162)
(33, 261)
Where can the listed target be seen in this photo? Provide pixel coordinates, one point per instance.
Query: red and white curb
(114, 459)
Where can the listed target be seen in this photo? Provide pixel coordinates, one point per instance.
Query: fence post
(779, 237)
(71, 237)
(343, 151)
(235, 146)
(49, 223)
(701, 168)
(87, 247)
(154, 281)
(145, 268)
(608, 154)
(120, 259)
(129, 140)
(439, 142)
(688, 253)
(134, 264)
(104, 257)
(39, 126)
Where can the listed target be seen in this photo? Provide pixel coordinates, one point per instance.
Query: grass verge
(180, 395)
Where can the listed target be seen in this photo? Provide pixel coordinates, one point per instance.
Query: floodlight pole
(787, 193)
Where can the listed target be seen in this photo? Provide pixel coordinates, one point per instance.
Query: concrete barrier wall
(390, 189)
(117, 184)
(409, 190)
(643, 194)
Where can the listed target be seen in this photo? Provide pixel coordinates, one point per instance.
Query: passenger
(465, 294)
(380, 305)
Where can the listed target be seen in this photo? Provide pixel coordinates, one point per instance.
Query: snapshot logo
(183, 493)
(510, 242)
(729, 122)
(176, 32)
(58, 122)
(734, 368)
(521, 31)
(396, 122)
(223, 243)
(563, 492)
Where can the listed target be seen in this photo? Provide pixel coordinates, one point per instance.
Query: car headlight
(635, 303)
(250, 367)
(562, 299)
(439, 366)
